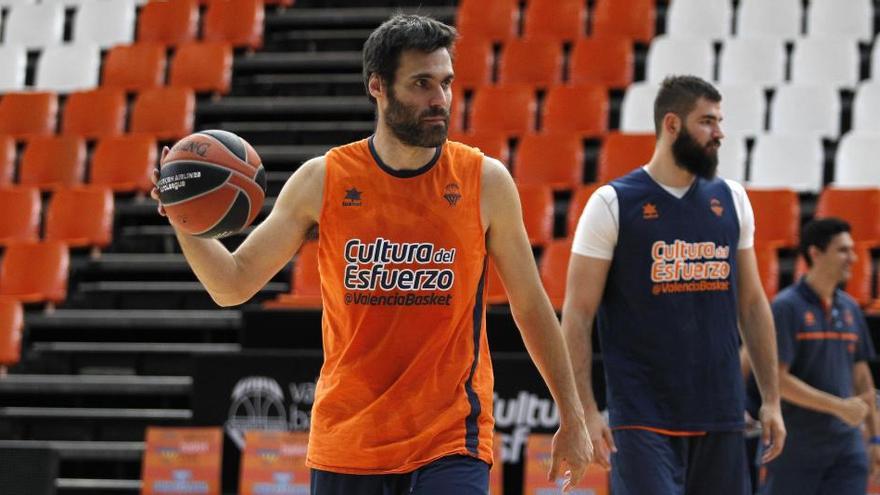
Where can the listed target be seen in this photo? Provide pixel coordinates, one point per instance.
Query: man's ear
(376, 86)
(672, 124)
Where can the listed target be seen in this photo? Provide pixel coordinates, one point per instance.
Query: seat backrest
(165, 113)
(535, 62)
(135, 67)
(493, 144)
(68, 68)
(204, 67)
(856, 162)
(637, 108)
(11, 324)
(744, 108)
(25, 115)
(21, 214)
(859, 207)
(865, 106)
(7, 160)
(124, 163)
(787, 161)
(81, 216)
(759, 60)
(35, 272)
(35, 26)
(777, 216)
(708, 19)
(537, 212)
(576, 205)
(806, 109)
(495, 20)
(555, 160)
(834, 18)
(561, 20)
(668, 56)
(608, 60)
(473, 63)
(105, 22)
(168, 23)
(507, 109)
(732, 157)
(239, 22)
(633, 19)
(820, 60)
(553, 269)
(623, 153)
(51, 162)
(577, 109)
(768, 268)
(13, 65)
(779, 18)
(94, 114)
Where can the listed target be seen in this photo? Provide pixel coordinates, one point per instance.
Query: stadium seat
(856, 161)
(204, 67)
(35, 26)
(732, 157)
(13, 63)
(94, 114)
(165, 113)
(768, 268)
(865, 105)
(746, 61)
(875, 60)
(582, 110)
(239, 22)
(777, 217)
(473, 63)
(778, 19)
(135, 67)
(555, 160)
(831, 61)
(496, 293)
(35, 272)
(81, 216)
(859, 284)
(561, 20)
(637, 108)
(21, 214)
(124, 163)
(633, 19)
(806, 109)
(168, 23)
(7, 160)
(68, 68)
(537, 212)
(105, 22)
(834, 18)
(11, 324)
(607, 61)
(669, 56)
(305, 284)
(623, 153)
(553, 269)
(495, 20)
(506, 109)
(787, 161)
(533, 62)
(51, 162)
(859, 207)
(708, 19)
(744, 109)
(493, 144)
(576, 205)
(25, 115)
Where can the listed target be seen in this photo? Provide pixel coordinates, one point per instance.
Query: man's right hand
(154, 178)
(603, 440)
(852, 411)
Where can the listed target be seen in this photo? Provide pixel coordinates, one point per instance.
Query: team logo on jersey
(452, 193)
(352, 197)
(716, 207)
(649, 211)
(809, 319)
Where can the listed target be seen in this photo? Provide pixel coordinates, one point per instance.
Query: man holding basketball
(664, 257)
(407, 219)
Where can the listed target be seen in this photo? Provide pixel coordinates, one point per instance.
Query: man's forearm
(577, 328)
(760, 340)
(214, 266)
(798, 392)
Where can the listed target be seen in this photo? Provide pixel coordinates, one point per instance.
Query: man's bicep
(585, 283)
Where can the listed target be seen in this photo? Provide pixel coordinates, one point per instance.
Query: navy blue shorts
(458, 474)
(649, 463)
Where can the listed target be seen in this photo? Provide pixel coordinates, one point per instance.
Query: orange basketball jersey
(407, 377)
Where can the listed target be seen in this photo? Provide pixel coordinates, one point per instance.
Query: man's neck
(663, 169)
(397, 155)
(822, 285)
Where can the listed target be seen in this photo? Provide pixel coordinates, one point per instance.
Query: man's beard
(409, 128)
(694, 157)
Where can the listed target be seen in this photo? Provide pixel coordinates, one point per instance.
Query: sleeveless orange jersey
(407, 377)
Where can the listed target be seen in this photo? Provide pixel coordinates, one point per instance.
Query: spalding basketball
(212, 184)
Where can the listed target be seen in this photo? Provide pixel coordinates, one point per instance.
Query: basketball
(212, 184)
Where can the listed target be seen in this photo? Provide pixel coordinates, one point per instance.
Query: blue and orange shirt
(668, 318)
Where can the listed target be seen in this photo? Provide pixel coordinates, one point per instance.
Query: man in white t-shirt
(663, 258)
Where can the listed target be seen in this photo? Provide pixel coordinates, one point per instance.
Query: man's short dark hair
(819, 233)
(400, 33)
(679, 95)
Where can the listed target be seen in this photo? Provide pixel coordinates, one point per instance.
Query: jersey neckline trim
(404, 174)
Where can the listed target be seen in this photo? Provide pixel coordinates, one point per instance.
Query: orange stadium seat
(537, 211)
(135, 67)
(622, 153)
(874, 308)
(53, 161)
(507, 109)
(25, 115)
(7, 160)
(239, 22)
(562, 20)
(493, 144)
(576, 109)
(94, 114)
(633, 19)
(81, 217)
(21, 214)
(535, 62)
(495, 20)
(553, 268)
(124, 163)
(777, 216)
(859, 207)
(35, 272)
(305, 284)
(204, 67)
(555, 160)
(168, 23)
(576, 205)
(166, 113)
(11, 323)
(473, 63)
(496, 293)
(859, 284)
(768, 268)
(607, 61)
